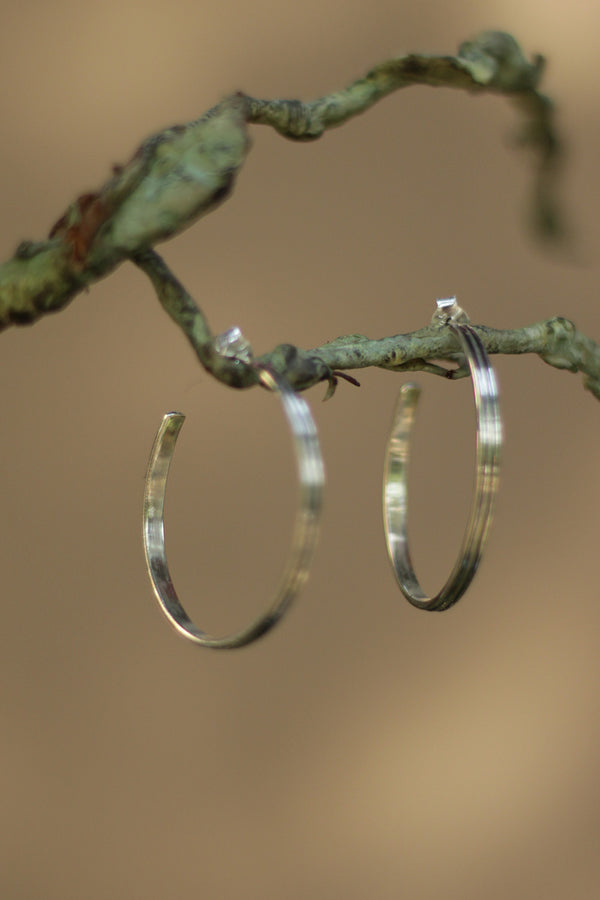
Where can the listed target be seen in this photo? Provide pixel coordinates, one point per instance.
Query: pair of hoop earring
(311, 475)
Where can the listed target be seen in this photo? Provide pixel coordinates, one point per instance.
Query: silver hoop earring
(489, 440)
(311, 476)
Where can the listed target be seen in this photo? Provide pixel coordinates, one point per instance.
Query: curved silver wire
(395, 491)
(311, 475)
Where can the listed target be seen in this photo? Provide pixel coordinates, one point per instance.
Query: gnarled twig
(183, 172)
(556, 341)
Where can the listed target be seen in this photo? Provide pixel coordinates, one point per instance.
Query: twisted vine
(184, 172)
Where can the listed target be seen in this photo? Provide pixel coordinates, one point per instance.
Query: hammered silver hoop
(395, 490)
(311, 476)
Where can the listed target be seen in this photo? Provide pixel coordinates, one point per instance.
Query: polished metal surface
(395, 490)
(311, 477)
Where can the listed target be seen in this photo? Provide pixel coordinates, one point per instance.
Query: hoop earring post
(311, 476)
(395, 485)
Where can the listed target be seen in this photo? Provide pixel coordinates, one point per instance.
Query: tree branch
(185, 171)
(556, 341)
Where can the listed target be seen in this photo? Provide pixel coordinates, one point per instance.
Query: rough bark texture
(185, 171)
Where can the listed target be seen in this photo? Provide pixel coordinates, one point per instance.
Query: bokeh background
(363, 748)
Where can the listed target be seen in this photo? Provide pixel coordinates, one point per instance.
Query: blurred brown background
(363, 749)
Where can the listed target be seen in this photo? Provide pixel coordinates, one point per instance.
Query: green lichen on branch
(185, 171)
(492, 62)
(175, 177)
(556, 341)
